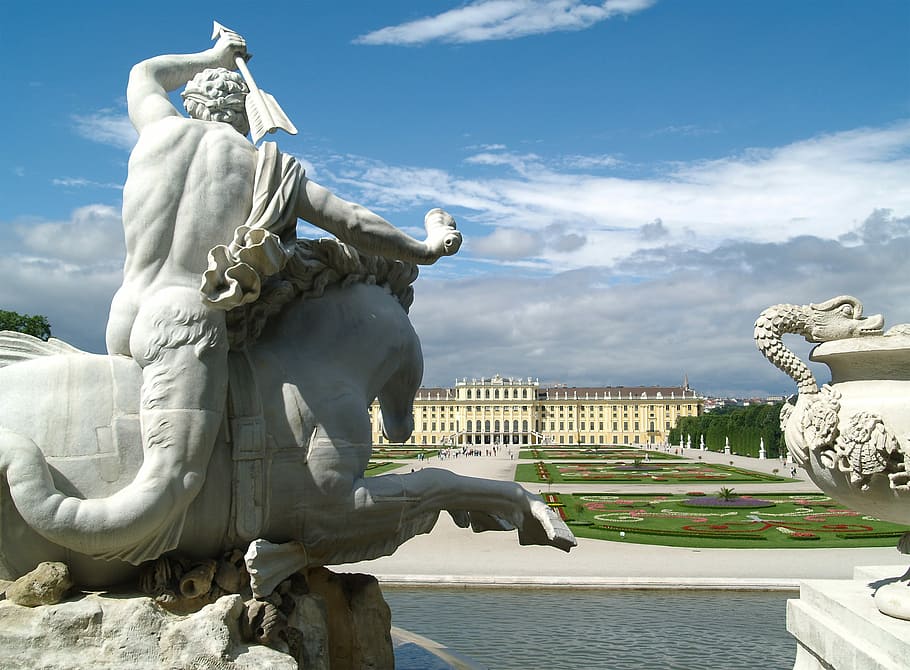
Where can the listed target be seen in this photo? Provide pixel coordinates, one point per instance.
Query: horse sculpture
(289, 464)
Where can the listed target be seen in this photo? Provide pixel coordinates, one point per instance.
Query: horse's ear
(18, 347)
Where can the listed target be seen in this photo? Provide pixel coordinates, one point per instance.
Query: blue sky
(635, 180)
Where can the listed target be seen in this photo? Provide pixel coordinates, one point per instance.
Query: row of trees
(745, 426)
(38, 326)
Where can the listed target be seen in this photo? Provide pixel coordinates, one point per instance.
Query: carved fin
(18, 347)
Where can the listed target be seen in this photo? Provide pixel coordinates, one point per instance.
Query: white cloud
(880, 227)
(655, 230)
(823, 186)
(81, 182)
(507, 243)
(93, 235)
(107, 127)
(65, 270)
(653, 317)
(686, 130)
(590, 162)
(485, 20)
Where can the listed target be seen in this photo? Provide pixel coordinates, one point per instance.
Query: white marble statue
(234, 403)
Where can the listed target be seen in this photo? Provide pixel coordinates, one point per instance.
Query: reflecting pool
(587, 629)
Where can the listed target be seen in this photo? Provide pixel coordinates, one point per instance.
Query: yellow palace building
(499, 410)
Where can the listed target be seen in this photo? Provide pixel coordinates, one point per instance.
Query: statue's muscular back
(189, 186)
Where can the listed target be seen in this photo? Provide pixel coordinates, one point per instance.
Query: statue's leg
(182, 349)
(484, 503)
(380, 513)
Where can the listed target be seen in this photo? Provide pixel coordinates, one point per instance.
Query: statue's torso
(189, 186)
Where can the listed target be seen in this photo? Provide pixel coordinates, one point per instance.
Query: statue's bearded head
(217, 94)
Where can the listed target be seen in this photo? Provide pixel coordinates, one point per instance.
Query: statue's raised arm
(151, 80)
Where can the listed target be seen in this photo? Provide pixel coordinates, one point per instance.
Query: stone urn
(852, 435)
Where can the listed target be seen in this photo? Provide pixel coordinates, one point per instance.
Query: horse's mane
(315, 266)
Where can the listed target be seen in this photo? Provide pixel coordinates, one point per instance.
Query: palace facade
(500, 410)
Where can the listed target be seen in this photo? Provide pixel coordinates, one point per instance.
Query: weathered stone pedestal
(330, 622)
(838, 627)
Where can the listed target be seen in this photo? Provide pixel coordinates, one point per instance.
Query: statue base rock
(837, 625)
(334, 622)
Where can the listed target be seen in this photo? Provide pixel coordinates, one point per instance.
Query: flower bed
(666, 519)
(739, 502)
(676, 473)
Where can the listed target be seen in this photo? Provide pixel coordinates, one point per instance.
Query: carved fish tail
(119, 526)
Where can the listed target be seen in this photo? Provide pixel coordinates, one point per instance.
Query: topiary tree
(36, 326)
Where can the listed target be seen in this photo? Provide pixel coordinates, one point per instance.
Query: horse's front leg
(487, 504)
(380, 513)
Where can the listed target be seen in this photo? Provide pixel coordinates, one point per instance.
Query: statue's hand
(442, 237)
(228, 47)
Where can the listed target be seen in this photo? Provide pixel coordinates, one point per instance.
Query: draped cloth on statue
(263, 245)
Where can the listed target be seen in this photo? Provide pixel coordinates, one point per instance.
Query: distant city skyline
(635, 179)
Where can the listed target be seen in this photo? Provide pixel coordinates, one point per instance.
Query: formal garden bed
(639, 472)
(775, 521)
(599, 453)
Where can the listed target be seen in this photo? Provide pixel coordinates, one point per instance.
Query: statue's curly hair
(217, 94)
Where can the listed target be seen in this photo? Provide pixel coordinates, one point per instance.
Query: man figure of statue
(200, 199)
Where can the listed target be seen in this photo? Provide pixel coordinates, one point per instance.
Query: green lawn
(774, 521)
(378, 467)
(641, 473)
